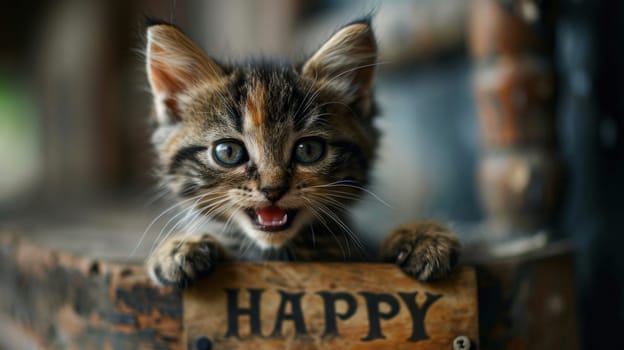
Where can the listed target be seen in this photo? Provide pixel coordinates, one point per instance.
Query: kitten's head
(269, 146)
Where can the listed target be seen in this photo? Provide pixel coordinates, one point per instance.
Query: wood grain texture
(297, 300)
(60, 299)
(65, 301)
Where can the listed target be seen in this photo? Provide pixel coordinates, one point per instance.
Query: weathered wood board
(328, 306)
(66, 301)
(61, 297)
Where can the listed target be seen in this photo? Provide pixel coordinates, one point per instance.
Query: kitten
(277, 149)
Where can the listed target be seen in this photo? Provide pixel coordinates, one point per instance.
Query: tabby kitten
(275, 152)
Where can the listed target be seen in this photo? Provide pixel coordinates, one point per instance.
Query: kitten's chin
(267, 240)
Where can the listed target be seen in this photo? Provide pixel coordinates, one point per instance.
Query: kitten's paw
(426, 251)
(181, 261)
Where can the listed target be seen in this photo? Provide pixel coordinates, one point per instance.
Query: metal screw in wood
(461, 343)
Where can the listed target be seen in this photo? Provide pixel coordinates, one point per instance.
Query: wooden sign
(328, 306)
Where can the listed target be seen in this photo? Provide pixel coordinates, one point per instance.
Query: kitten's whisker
(228, 221)
(320, 218)
(342, 225)
(350, 234)
(334, 194)
(208, 213)
(200, 216)
(211, 209)
(330, 197)
(192, 225)
(187, 212)
(342, 184)
(158, 241)
(158, 217)
(158, 194)
(346, 196)
(375, 64)
(334, 203)
(216, 209)
(353, 69)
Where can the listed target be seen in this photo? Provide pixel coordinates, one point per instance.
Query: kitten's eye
(230, 153)
(308, 151)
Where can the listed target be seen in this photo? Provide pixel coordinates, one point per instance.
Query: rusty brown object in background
(516, 103)
(521, 187)
(520, 174)
(502, 28)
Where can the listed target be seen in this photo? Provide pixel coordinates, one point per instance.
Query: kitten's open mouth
(271, 218)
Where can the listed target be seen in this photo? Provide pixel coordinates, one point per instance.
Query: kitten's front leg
(424, 250)
(180, 261)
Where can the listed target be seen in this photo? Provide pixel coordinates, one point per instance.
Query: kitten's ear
(347, 60)
(175, 64)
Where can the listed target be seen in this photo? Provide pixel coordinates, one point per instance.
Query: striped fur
(269, 108)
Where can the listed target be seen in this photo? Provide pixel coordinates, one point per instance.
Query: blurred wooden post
(526, 284)
(520, 173)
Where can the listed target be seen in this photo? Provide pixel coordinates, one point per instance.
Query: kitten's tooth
(272, 221)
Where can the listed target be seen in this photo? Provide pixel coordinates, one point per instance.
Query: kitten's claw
(181, 261)
(426, 251)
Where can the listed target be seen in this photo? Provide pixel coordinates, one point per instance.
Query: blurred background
(74, 105)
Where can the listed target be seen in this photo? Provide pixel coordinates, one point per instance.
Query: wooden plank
(328, 306)
(66, 301)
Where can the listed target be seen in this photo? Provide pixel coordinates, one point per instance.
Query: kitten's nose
(274, 192)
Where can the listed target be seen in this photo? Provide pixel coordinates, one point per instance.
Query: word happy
(379, 306)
